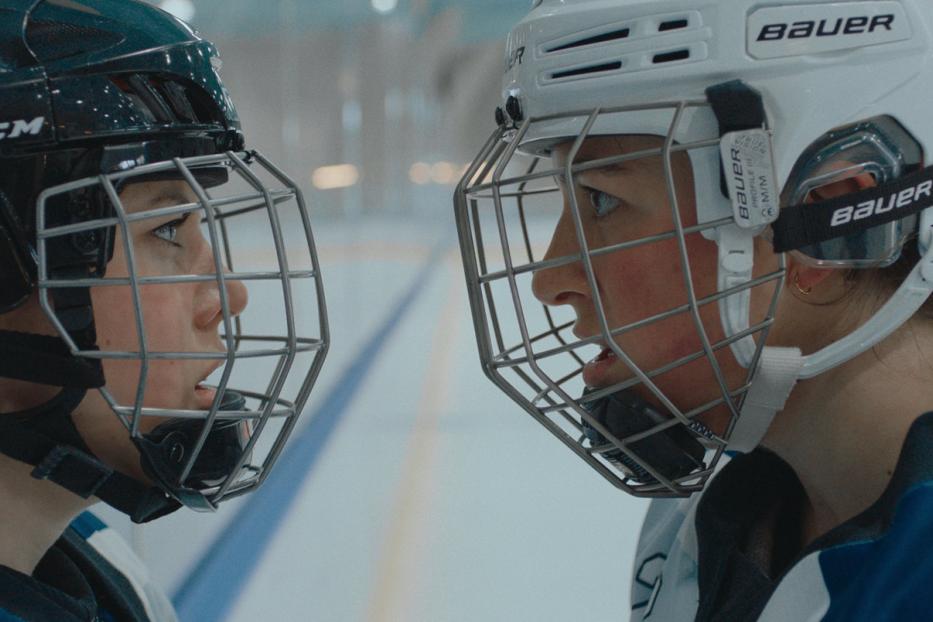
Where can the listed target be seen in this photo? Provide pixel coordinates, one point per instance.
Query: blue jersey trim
(888, 578)
(87, 525)
(6, 616)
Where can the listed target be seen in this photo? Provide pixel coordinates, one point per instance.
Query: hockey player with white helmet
(726, 211)
(135, 227)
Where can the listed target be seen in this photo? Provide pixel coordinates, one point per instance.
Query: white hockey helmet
(764, 98)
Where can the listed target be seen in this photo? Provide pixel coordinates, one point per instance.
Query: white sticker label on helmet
(800, 30)
(750, 176)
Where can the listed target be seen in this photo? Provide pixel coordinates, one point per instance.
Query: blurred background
(414, 490)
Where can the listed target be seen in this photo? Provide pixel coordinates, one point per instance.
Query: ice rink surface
(431, 496)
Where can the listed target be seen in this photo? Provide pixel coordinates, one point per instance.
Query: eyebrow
(163, 198)
(623, 166)
(616, 167)
(639, 161)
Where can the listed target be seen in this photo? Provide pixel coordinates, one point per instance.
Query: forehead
(144, 195)
(608, 146)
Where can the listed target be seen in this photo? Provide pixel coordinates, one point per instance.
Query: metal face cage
(254, 237)
(528, 349)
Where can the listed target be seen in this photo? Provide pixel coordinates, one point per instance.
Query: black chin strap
(46, 360)
(673, 452)
(737, 107)
(45, 437)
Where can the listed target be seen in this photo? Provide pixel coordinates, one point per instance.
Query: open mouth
(204, 394)
(596, 372)
(674, 451)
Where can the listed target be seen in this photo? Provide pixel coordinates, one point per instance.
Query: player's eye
(168, 232)
(602, 203)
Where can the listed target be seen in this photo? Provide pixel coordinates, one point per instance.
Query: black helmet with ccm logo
(96, 95)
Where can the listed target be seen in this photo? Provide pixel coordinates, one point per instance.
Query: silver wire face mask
(638, 436)
(213, 430)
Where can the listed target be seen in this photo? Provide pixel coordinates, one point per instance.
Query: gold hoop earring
(805, 292)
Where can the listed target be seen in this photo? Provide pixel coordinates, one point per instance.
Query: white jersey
(114, 549)
(88, 575)
(697, 559)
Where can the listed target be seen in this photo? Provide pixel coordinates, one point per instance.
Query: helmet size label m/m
(20, 127)
(800, 30)
(748, 164)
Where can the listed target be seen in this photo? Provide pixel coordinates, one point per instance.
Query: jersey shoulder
(884, 577)
(888, 577)
(111, 546)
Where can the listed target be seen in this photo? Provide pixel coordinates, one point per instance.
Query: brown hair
(873, 287)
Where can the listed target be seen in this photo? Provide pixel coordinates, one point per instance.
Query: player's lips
(596, 372)
(203, 394)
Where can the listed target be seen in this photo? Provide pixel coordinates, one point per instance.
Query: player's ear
(842, 187)
(805, 277)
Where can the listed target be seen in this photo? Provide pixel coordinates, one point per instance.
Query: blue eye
(169, 231)
(603, 203)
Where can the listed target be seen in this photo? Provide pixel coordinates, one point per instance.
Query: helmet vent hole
(147, 101)
(52, 40)
(164, 101)
(670, 57)
(580, 71)
(613, 35)
(674, 24)
(176, 96)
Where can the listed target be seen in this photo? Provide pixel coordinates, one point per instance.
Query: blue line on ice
(211, 589)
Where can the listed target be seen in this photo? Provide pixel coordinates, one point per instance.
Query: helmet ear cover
(864, 229)
(85, 251)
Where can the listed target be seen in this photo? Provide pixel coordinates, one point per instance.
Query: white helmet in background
(764, 98)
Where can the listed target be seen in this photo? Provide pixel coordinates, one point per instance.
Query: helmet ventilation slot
(670, 57)
(162, 101)
(176, 96)
(580, 71)
(52, 40)
(674, 24)
(614, 35)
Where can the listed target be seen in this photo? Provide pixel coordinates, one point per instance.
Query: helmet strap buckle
(73, 470)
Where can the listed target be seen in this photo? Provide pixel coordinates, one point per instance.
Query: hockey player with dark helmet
(134, 223)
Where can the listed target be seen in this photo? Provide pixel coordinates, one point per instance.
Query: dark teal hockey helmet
(97, 95)
(90, 87)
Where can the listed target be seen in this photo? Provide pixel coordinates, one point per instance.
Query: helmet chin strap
(46, 360)
(741, 117)
(780, 368)
(47, 439)
(778, 371)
